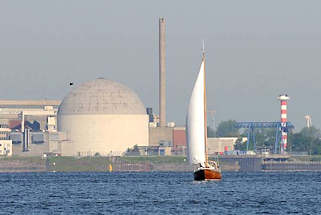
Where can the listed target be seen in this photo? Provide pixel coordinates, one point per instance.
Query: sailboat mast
(205, 111)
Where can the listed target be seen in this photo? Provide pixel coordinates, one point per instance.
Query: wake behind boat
(196, 127)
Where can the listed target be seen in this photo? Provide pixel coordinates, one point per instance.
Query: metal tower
(308, 120)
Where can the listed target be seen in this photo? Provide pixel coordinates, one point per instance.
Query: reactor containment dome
(102, 117)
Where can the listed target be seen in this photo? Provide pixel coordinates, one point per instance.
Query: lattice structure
(279, 129)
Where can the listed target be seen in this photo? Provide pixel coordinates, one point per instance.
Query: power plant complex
(99, 117)
(103, 117)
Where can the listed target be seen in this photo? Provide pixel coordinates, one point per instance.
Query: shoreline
(144, 164)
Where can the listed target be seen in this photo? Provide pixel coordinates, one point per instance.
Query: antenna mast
(203, 50)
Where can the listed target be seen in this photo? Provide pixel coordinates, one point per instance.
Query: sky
(255, 50)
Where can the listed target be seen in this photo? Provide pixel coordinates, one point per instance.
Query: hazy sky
(255, 51)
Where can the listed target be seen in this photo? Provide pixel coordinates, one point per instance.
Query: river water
(160, 193)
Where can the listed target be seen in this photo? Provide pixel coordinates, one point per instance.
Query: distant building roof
(101, 96)
(26, 103)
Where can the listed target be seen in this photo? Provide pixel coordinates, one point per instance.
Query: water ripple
(160, 193)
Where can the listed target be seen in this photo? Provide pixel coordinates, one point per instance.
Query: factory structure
(98, 117)
(165, 138)
(106, 118)
(102, 117)
(26, 126)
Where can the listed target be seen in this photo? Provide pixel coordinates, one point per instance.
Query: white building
(220, 144)
(5, 147)
(104, 117)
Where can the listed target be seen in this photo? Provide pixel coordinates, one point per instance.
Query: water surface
(160, 193)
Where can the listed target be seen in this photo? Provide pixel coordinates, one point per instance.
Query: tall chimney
(162, 74)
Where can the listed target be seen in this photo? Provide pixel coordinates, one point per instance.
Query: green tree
(240, 145)
(265, 138)
(227, 129)
(307, 140)
(316, 147)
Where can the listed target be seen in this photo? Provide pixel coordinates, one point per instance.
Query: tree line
(307, 140)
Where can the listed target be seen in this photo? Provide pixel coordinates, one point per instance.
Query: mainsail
(195, 121)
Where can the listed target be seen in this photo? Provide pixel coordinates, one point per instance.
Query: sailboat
(196, 127)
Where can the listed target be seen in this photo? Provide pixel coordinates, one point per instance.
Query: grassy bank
(35, 160)
(73, 164)
(22, 164)
(101, 164)
(156, 159)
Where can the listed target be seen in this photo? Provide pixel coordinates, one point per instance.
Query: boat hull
(207, 174)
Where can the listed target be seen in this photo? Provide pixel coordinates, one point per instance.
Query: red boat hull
(207, 174)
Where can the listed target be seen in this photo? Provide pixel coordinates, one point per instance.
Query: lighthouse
(284, 132)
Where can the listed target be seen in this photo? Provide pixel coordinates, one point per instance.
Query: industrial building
(160, 135)
(6, 148)
(161, 132)
(25, 124)
(102, 117)
(220, 145)
(37, 114)
(165, 138)
(179, 141)
(98, 117)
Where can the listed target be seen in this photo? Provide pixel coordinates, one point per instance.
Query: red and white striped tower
(284, 103)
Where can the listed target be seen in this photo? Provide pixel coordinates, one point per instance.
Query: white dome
(101, 96)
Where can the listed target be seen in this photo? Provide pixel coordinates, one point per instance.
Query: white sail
(195, 121)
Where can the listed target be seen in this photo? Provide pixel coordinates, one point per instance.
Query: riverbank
(150, 163)
(22, 164)
(101, 164)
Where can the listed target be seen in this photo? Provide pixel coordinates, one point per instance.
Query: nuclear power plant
(107, 118)
(99, 117)
(102, 117)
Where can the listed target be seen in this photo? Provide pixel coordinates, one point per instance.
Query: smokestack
(162, 74)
